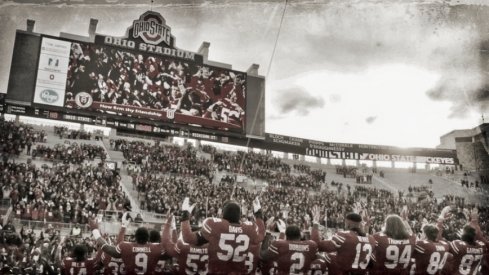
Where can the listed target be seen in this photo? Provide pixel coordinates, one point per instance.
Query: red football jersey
(321, 265)
(353, 252)
(191, 259)
(71, 267)
(392, 256)
(112, 266)
(140, 258)
(293, 257)
(253, 259)
(466, 258)
(229, 244)
(430, 257)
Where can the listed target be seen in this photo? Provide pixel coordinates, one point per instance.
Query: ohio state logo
(152, 29)
(170, 113)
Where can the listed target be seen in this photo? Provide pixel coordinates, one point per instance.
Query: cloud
(371, 119)
(444, 39)
(297, 100)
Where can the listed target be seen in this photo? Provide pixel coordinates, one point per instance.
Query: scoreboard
(139, 79)
(143, 83)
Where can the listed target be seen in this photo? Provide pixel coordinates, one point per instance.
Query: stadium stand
(53, 197)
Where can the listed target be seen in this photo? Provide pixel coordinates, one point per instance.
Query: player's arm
(59, 252)
(474, 222)
(444, 215)
(166, 239)
(366, 221)
(405, 220)
(174, 233)
(105, 247)
(316, 213)
(326, 245)
(122, 232)
(187, 234)
(269, 250)
(258, 213)
(331, 245)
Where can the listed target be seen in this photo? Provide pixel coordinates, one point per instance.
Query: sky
(387, 72)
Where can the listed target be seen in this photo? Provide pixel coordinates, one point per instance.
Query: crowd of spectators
(61, 193)
(291, 203)
(167, 173)
(64, 133)
(362, 174)
(268, 168)
(37, 251)
(70, 153)
(17, 137)
(164, 158)
(161, 191)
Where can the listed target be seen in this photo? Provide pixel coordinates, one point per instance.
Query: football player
(353, 248)
(430, 255)
(78, 264)
(292, 255)
(470, 250)
(140, 257)
(192, 259)
(229, 239)
(393, 248)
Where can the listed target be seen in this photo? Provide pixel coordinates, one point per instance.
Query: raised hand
(281, 226)
(125, 221)
(93, 223)
(445, 213)
(186, 205)
(316, 214)
(270, 223)
(256, 205)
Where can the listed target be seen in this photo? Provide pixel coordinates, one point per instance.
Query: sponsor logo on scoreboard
(49, 96)
(149, 33)
(83, 100)
(151, 28)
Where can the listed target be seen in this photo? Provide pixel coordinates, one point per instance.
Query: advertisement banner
(332, 150)
(410, 157)
(52, 72)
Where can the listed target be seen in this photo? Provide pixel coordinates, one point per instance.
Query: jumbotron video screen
(112, 81)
